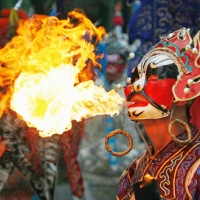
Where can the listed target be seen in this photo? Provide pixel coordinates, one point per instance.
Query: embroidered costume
(176, 168)
(164, 89)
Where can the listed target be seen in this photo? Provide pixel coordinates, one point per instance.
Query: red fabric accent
(194, 112)
(2, 147)
(118, 20)
(4, 35)
(6, 12)
(4, 22)
(70, 141)
(22, 14)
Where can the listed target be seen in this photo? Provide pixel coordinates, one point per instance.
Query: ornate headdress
(185, 52)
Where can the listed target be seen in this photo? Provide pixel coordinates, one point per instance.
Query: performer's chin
(148, 112)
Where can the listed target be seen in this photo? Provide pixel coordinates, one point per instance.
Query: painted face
(149, 95)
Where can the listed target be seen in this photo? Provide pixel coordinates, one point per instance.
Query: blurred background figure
(118, 20)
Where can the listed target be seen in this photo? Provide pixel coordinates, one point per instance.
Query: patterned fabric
(155, 18)
(194, 112)
(176, 168)
(37, 159)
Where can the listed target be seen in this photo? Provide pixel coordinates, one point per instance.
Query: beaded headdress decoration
(185, 52)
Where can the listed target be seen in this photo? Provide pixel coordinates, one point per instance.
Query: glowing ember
(47, 77)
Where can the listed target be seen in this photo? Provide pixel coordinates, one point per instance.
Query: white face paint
(147, 112)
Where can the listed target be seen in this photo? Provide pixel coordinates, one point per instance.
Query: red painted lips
(137, 100)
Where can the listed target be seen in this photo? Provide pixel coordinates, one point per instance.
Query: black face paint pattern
(164, 71)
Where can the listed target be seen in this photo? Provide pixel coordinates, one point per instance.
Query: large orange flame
(47, 74)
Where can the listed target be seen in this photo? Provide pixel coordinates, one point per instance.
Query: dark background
(95, 10)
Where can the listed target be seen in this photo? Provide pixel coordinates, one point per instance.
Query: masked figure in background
(163, 95)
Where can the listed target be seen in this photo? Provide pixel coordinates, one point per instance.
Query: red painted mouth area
(138, 100)
(137, 104)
